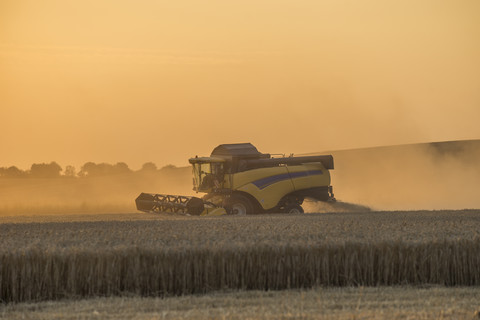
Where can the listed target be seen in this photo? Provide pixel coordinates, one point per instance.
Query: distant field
(147, 254)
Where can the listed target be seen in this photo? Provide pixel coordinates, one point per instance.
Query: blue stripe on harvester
(265, 182)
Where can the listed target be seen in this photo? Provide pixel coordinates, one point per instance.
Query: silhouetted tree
(168, 167)
(87, 169)
(91, 169)
(149, 167)
(70, 171)
(12, 172)
(121, 168)
(44, 170)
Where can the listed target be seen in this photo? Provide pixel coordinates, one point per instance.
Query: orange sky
(145, 80)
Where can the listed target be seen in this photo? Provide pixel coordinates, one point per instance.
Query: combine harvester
(238, 179)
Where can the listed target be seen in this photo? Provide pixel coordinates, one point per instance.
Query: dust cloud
(312, 206)
(430, 176)
(104, 194)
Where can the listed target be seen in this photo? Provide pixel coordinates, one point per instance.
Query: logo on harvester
(268, 181)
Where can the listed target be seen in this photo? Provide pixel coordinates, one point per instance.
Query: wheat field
(159, 256)
(331, 303)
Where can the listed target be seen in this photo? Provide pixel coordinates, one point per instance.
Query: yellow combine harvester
(238, 179)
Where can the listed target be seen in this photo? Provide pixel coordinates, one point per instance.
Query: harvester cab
(238, 179)
(208, 174)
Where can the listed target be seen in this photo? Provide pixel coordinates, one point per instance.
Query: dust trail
(312, 206)
(430, 176)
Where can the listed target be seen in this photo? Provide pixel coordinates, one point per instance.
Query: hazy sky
(144, 80)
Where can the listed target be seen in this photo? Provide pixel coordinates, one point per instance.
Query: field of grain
(162, 256)
(341, 303)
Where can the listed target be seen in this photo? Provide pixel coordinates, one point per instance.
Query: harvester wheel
(239, 205)
(195, 206)
(293, 208)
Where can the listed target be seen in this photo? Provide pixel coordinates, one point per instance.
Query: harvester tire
(293, 209)
(239, 205)
(195, 206)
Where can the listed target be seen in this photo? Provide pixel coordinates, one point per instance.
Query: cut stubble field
(81, 256)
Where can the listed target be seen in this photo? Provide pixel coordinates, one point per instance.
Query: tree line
(89, 169)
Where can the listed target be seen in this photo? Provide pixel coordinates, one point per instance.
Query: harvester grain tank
(238, 179)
